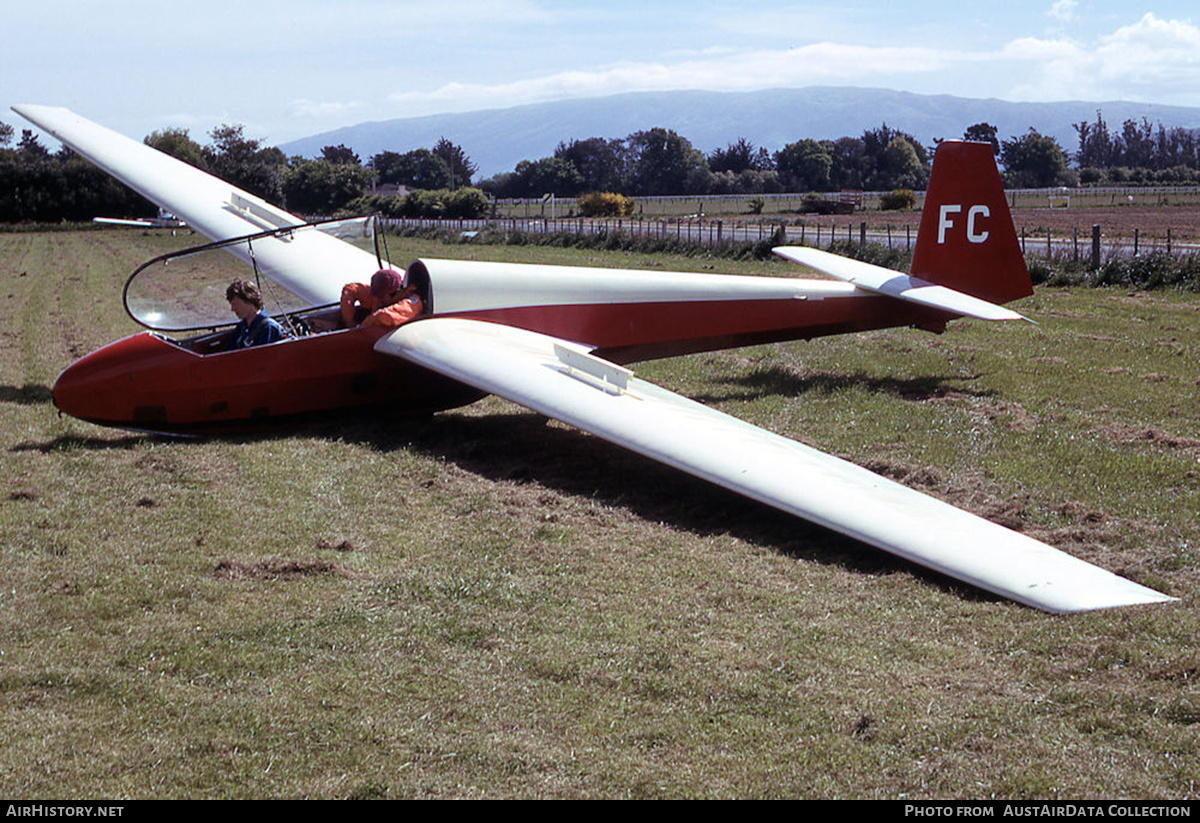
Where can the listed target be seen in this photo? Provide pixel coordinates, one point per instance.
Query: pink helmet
(384, 282)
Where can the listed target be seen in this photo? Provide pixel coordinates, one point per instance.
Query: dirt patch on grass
(796, 380)
(1123, 433)
(1012, 416)
(156, 463)
(277, 568)
(975, 493)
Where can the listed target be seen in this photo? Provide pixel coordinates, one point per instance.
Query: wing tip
(1124, 595)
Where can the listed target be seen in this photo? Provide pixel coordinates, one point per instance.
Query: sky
(286, 70)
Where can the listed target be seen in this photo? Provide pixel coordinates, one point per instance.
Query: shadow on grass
(73, 442)
(31, 394)
(522, 448)
(780, 381)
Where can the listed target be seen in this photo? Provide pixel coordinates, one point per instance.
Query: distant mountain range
(496, 140)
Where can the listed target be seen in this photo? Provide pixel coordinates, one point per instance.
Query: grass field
(488, 605)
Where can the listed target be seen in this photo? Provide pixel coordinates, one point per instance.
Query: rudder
(967, 241)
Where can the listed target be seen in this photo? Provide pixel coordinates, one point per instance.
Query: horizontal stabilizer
(894, 284)
(555, 378)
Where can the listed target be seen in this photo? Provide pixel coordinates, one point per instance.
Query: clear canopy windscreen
(185, 291)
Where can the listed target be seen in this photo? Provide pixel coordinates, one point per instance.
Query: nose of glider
(100, 387)
(84, 389)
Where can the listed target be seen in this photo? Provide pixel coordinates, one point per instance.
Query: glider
(557, 340)
(164, 220)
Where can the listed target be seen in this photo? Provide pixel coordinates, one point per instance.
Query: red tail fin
(967, 241)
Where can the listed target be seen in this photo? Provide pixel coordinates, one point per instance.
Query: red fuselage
(148, 382)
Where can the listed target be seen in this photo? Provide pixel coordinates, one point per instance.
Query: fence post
(1096, 246)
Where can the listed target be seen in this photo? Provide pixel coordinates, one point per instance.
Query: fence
(792, 203)
(1090, 242)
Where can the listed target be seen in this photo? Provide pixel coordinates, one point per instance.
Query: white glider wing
(312, 265)
(562, 380)
(879, 280)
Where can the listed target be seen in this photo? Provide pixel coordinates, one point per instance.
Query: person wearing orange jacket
(389, 304)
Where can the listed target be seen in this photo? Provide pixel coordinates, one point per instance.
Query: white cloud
(1064, 10)
(314, 109)
(1152, 59)
(1156, 34)
(722, 70)
(376, 59)
(1155, 60)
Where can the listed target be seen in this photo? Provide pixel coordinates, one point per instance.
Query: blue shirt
(259, 331)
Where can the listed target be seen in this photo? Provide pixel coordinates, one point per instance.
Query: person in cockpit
(387, 302)
(255, 328)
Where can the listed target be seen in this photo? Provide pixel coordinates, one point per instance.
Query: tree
(1138, 143)
(461, 167)
(340, 155)
(983, 133)
(602, 163)
(533, 179)
(1095, 144)
(805, 165)
(664, 163)
(417, 169)
(241, 161)
(177, 144)
(739, 157)
(850, 163)
(38, 186)
(324, 187)
(1034, 160)
(887, 164)
(30, 149)
(900, 167)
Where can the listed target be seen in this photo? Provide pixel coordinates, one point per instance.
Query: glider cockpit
(180, 295)
(182, 377)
